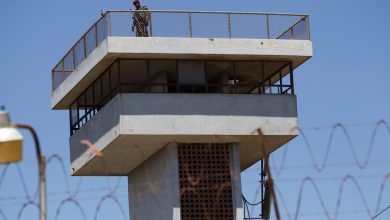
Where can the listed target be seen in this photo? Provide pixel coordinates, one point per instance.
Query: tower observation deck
(188, 99)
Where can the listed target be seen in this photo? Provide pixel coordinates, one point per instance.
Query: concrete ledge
(113, 48)
(133, 127)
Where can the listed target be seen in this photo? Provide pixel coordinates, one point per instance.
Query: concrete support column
(188, 181)
(154, 191)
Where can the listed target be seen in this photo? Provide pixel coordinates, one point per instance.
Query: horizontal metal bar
(211, 12)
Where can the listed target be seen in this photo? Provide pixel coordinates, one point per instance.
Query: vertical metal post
(229, 25)
(93, 98)
(190, 23)
(109, 23)
(96, 36)
(102, 90)
(262, 188)
(52, 80)
(74, 59)
(150, 25)
(292, 33)
(42, 188)
(292, 78)
(85, 47)
(234, 77)
(42, 171)
(63, 70)
(85, 107)
(70, 119)
(78, 113)
(263, 79)
(206, 76)
(268, 28)
(307, 19)
(259, 83)
(280, 82)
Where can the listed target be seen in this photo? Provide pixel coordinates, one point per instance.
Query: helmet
(136, 1)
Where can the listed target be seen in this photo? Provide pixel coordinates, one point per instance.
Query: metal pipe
(74, 59)
(213, 12)
(190, 23)
(229, 26)
(42, 170)
(96, 36)
(150, 25)
(307, 18)
(109, 23)
(292, 78)
(268, 29)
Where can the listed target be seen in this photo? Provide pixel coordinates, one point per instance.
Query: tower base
(188, 182)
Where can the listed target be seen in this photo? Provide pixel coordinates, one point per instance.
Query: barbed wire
(72, 195)
(325, 209)
(381, 212)
(321, 166)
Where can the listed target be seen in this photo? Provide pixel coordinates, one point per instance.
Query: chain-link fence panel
(190, 24)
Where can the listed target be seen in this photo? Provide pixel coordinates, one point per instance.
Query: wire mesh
(181, 24)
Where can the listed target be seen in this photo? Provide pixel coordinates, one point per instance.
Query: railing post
(70, 120)
(85, 48)
(229, 25)
(190, 23)
(268, 28)
(292, 33)
(292, 78)
(78, 113)
(150, 25)
(307, 19)
(109, 23)
(280, 82)
(74, 59)
(52, 80)
(63, 70)
(96, 36)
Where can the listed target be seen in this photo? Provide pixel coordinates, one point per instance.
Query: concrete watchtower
(177, 111)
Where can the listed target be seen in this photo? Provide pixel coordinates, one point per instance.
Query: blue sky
(346, 81)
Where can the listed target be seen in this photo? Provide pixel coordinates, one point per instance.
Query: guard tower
(177, 112)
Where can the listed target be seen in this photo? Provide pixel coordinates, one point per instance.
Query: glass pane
(191, 72)
(220, 77)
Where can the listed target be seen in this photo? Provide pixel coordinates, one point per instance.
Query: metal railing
(191, 24)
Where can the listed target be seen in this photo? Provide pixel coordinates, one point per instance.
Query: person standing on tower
(141, 19)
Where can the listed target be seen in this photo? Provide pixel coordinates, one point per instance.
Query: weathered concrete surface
(154, 189)
(238, 211)
(132, 127)
(154, 185)
(113, 48)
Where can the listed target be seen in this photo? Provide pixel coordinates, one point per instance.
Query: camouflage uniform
(141, 22)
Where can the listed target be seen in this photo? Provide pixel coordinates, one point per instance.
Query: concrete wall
(154, 191)
(113, 48)
(238, 210)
